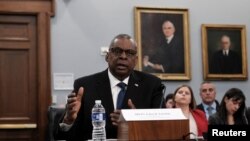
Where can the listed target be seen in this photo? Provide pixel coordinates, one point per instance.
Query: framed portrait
(224, 52)
(163, 42)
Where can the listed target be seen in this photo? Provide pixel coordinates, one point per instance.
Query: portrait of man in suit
(163, 42)
(169, 56)
(224, 52)
(225, 60)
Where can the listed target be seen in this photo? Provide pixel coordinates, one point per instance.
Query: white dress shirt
(169, 38)
(114, 88)
(225, 52)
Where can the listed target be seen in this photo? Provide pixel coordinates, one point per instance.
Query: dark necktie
(209, 110)
(120, 95)
(225, 53)
(167, 41)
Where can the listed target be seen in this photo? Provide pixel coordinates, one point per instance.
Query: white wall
(81, 27)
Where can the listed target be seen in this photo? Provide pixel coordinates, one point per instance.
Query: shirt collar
(226, 50)
(212, 105)
(114, 81)
(170, 38)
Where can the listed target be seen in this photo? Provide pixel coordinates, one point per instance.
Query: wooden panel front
(18, 135)
(153, 130)
(18, 75)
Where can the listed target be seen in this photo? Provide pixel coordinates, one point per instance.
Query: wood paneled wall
(25, 77)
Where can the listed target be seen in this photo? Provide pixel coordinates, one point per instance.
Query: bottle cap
(98, 101)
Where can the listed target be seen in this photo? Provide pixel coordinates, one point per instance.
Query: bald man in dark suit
(142, 91)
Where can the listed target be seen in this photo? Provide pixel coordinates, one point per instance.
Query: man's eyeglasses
(118, 51)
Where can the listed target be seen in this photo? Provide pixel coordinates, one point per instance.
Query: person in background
(143, 90)
(169, 100)
(226, 60)
(184, 99)
(209, 103)
(231, 110)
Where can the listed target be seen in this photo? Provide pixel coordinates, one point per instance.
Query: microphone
(184, 137)
(163, 89)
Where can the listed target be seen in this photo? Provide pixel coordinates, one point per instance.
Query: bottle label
(98, 116)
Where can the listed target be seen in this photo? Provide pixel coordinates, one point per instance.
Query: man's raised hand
(73, 106)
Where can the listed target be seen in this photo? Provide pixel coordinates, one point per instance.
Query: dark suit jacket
(230, 64)
(200, 106)
(143, 89)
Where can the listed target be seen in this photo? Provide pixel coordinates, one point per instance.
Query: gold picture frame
(169, 60)
(217, 64)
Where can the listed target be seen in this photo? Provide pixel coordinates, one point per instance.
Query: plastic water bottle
(98, 121)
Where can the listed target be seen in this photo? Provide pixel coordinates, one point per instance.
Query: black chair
(55, 113)
(248, 114)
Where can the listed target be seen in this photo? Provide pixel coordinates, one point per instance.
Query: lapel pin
(136, 85)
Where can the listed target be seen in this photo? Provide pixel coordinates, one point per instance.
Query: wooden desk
(153, 130)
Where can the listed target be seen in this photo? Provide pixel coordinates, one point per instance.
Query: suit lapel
(104, 92)
(132, 90)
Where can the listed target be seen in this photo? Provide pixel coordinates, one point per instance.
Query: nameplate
(152, 114)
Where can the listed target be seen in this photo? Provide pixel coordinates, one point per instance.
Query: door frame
(43, 10)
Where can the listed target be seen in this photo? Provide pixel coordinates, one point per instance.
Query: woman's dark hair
(169, 96)
(235, 94)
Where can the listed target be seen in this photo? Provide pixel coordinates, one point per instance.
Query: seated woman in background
(231, 110)
(169, 101)
(184, 99)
